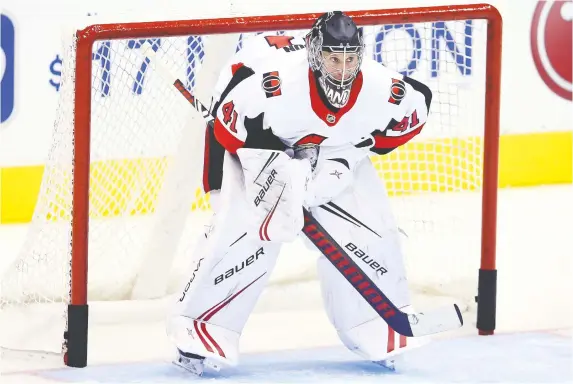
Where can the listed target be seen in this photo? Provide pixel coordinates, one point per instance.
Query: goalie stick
(410, 325)
(415, 324)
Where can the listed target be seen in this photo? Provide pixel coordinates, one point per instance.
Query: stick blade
(435, 321)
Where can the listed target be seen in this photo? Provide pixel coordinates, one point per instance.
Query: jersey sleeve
(412, 100)
(239, 99)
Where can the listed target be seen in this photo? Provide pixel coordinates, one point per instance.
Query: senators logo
(271, 84)
(397, 91)
(551, 31)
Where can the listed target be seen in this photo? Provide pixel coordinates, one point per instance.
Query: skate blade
(195, 368)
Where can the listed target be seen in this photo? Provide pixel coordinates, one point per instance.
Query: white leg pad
(361, 221)
(225, 279)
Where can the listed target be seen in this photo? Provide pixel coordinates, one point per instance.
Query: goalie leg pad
(225, 279)
(361, 221)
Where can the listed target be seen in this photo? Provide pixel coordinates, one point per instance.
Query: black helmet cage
(315, 47)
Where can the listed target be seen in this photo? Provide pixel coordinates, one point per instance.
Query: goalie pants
(231, 269)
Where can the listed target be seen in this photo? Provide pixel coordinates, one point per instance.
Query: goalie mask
(335, 48)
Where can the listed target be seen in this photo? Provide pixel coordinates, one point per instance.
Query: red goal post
(77, 314)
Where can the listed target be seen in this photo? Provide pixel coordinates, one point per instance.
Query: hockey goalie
(295, 123)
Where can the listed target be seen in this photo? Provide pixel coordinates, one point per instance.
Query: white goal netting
(146, 204)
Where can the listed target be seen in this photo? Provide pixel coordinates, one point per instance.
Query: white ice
(288, 339)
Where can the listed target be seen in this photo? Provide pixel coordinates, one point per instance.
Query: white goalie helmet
(335, 47)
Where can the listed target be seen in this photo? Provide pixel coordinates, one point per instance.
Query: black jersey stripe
(422, 88)
(240, 75)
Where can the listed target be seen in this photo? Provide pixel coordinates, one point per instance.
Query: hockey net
(139, 142)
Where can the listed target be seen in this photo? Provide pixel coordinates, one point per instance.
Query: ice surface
(288, 338)
(511, 358)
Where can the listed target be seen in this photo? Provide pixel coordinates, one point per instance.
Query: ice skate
(190, 362)
(389, 363)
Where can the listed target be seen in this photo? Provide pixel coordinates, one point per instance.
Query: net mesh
(138, 138)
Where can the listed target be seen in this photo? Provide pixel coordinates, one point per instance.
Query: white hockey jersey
(268, 98)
